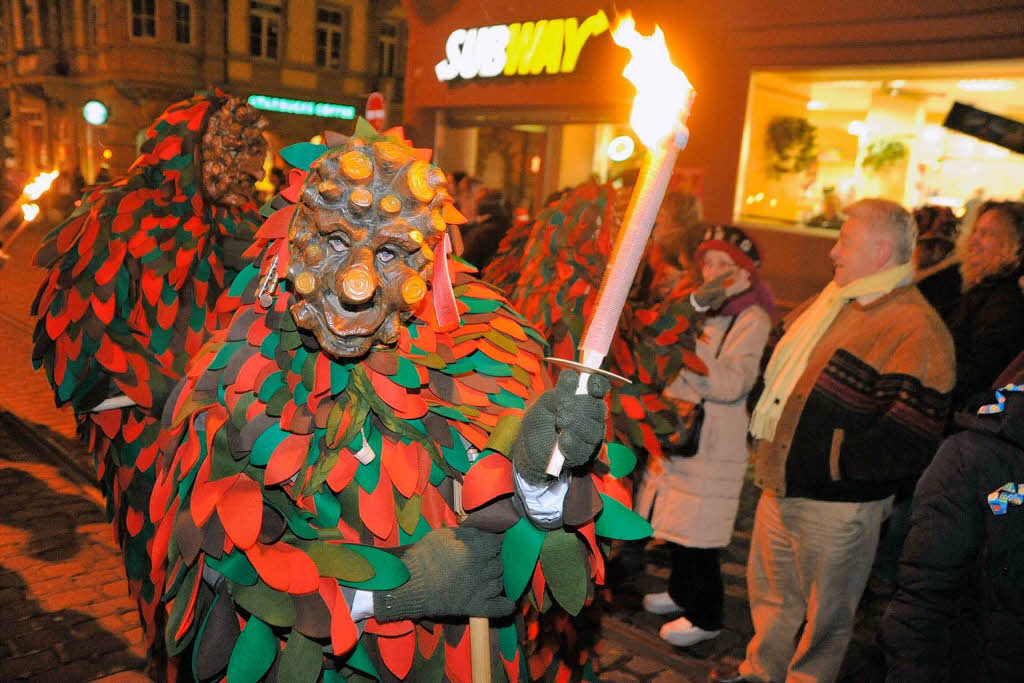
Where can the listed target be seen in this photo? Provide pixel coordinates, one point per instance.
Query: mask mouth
(344, 330)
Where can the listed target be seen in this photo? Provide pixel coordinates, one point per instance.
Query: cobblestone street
(64, 600)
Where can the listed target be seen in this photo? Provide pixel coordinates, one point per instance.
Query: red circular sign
(376, 110)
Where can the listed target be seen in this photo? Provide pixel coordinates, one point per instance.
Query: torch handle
(480, 649)
(590, 360)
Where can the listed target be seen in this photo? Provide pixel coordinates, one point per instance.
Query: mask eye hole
(389, 253)
(338, 243)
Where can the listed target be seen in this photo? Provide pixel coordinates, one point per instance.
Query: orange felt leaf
(407, 405)
(109, 421)
(451, 215)
(284, 568)
(133, 521)
(401, 461)
(377, 509)
(509, 327)
(286, 459)
(632, 408)
(104, 309)
(205, 493)
(390, 629)
(162, 537)
(457, 660)
(276, 226)
(486, 480)
(342, 472)
(241, 511)
(427, 639)
(597, 558)
(296, 177)
(539, 582)
(111, 355)
(398, 653)
(186, 619)
(344, 633)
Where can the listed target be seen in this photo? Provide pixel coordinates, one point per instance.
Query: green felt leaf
(235, 566)
(481, 305)
(328, 509)
(224, 355)
(489, 366)
(297, 522)
(421, 530)
(622, 459)
(390, 572)
(267, 442)
(360, 661)
(565, 568)
(506, 399)
(519, 551)
(301, 660)
(253, 654)
(339, 560)
(272, 383)
(302, 154)
(339, 378)
(408, 513)
(364, 129)
(618, 521)
(407, 376)
(272, 606)
(508, 642)
(450, 413)
(504, 433)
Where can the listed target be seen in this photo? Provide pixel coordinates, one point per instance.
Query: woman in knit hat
(696, 498)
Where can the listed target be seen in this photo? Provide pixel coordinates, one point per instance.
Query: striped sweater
(869, 408)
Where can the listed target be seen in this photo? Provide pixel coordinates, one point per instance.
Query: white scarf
(794, 349)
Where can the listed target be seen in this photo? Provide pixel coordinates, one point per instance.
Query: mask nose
(357, 283)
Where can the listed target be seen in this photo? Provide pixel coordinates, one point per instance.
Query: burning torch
(660, 109)
(31, 192)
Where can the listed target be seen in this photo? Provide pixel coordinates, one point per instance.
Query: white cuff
(697, 306)
(362, 605)
(543, 502)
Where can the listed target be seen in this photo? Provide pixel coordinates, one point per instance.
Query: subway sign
(549, 46)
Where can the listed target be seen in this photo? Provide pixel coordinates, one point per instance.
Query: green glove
(577, 421)
(452, 572)
(714, 293)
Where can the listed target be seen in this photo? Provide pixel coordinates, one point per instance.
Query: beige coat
(695, 499)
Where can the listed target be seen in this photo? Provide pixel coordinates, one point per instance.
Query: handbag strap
(721, 343)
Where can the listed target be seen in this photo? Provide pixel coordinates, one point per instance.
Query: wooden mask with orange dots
(361, 244)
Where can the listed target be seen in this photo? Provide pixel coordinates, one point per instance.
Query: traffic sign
(376, 110)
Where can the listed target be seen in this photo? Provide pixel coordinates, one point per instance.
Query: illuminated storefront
(494, 97)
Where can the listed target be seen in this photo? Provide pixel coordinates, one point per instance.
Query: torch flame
(663, 92)
(30, 212)
(40, 184)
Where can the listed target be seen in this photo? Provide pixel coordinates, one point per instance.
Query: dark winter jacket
(987, 326)
(962, 568)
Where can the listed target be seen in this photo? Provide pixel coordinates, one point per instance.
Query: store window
(388, 50)
(143, 18)
(264, 29)
(183, 22)
(330, 27)
(815, 141)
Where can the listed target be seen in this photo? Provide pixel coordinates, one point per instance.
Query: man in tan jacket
(856, 395)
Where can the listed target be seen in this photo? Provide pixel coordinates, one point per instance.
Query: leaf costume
(553, 277)
(134, 274)
(292, 475)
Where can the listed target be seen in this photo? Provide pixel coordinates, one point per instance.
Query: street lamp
(95, 114)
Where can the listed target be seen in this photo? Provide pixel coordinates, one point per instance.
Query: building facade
(138, 56)
(524, 85)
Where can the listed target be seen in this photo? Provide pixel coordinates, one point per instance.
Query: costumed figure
(553, 277)
(321, 451)
(134, 275)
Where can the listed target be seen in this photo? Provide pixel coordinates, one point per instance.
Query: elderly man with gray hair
(856, 395)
